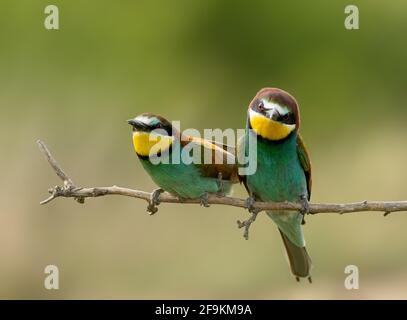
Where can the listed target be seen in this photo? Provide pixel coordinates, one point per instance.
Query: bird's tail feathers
(298, 258)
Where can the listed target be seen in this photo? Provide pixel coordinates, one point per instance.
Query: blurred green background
(200, 62)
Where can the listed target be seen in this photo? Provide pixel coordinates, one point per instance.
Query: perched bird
(177, 173)
(283, 168)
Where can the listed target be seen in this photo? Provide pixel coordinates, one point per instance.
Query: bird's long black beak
(131, 122)
(273, 114)
(137, 125)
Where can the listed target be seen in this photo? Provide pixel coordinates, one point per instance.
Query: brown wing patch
(221, 161)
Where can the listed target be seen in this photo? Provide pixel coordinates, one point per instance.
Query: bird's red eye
(260, 106)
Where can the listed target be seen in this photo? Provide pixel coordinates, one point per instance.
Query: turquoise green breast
(184, 180)
(279, 175)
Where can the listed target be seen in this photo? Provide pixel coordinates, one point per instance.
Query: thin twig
(54, 164)
(247, 223)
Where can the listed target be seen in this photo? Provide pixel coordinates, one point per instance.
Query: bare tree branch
(69, 190)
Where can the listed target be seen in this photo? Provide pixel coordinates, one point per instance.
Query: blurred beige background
(200, 63)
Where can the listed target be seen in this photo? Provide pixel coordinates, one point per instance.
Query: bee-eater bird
(283, 168)
(154, 136)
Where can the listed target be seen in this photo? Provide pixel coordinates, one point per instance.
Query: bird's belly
(278, 181)
(181, 180)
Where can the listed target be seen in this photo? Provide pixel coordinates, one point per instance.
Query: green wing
(305, 162)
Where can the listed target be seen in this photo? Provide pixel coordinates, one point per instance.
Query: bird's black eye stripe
(167, 128)
(288, 118)
(258, 106)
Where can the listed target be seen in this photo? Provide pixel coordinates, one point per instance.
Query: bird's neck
(146, 144)
(288, 143)
(281, 150)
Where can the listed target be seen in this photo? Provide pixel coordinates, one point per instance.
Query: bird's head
(273, 114)
(150, 131)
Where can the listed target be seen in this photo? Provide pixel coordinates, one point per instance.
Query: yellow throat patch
(146, 142)
(270, 129)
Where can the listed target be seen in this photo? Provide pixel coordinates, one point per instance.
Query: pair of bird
(283, 168)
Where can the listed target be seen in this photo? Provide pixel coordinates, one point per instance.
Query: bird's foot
(204, 200)
(221, 189)
(305, 207)
(249, 204)
(154, 201)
